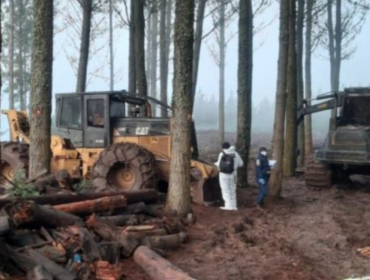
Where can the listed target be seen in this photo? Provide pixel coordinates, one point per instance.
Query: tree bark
(221, 104)
(111, 45)
(39, 273)
(148, 196)
(41, 87)
(279, 123)
(103, 204)
(140, 48)
(22, 94)
(178, 197)
(132, 58)
(338, 43)
(290, 144)
(197, 46)
(11, 55)
(148, 51)
(168, 37)
(163, 55)
(308, 79)
(300, 88)
(154, 53)
(28, 212)
(4, 225)
(156, 267)
(85, 43)
(245, 66)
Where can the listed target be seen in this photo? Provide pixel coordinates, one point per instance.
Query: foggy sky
(354, 72)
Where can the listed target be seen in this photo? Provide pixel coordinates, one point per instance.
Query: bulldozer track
(13, 156)
(317, 174)
(135, 164)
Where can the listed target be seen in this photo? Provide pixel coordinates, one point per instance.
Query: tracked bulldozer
(113, 139)
(346, 149)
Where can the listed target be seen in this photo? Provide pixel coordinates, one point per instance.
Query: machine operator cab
(91, 119)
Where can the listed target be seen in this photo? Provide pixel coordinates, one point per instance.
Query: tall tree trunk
(338, 43)
(245, 67)
(331, 44)
(154, 53)
(308, 82)
(41, 86)
(279, 123)
(142, 85)
(300, 88)
(162, 55)
(11, 55)
(290, 145)
(132, 59)
(22, 94)
(111, 45)
(197, 45)
(221, 104)
(178, 198)
(85, 43)
(148, 51)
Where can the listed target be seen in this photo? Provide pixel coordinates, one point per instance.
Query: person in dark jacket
(262, 169)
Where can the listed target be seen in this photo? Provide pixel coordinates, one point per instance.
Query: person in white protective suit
(228, 178)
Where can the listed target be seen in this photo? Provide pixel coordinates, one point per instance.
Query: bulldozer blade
(207, 191)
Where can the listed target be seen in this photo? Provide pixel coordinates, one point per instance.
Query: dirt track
(309, 234)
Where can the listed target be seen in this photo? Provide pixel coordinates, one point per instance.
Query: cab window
(95, 112)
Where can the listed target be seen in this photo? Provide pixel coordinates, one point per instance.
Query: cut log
(103, 204)
(4, 225)
(140, 235)
(39, 273)
(140, 228)
(135, 208)
(110, 252)
(124, 220)
(87, 243)
(60, 179)
(56, 270)
(165, 242)
(111, 233)
(147, 196)
(156, 267)
(106, 271)
(29, 213)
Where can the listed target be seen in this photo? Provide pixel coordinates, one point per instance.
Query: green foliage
(82, 186)
(19, 187)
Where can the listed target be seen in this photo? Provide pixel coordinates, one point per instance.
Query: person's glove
(261, 181)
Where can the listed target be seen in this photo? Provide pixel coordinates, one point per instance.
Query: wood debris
(81, 236)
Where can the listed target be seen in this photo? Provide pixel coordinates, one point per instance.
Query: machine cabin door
(96, 121)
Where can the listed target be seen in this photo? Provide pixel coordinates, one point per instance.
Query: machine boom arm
(305, 110)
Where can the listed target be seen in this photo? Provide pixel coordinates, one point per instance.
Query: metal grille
(70, 115)
(345, 157)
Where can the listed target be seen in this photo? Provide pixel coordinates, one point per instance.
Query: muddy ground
(309, 234)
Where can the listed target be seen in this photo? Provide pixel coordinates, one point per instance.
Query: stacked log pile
(84, 236)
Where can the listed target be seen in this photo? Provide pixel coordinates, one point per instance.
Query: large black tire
(124, 166)
(317, 174)
(14, 156)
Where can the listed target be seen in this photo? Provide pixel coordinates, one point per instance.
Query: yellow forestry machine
(111, 138)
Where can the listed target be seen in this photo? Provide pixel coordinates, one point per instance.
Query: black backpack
(227, 163)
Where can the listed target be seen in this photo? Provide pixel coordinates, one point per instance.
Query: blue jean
(263, 188)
